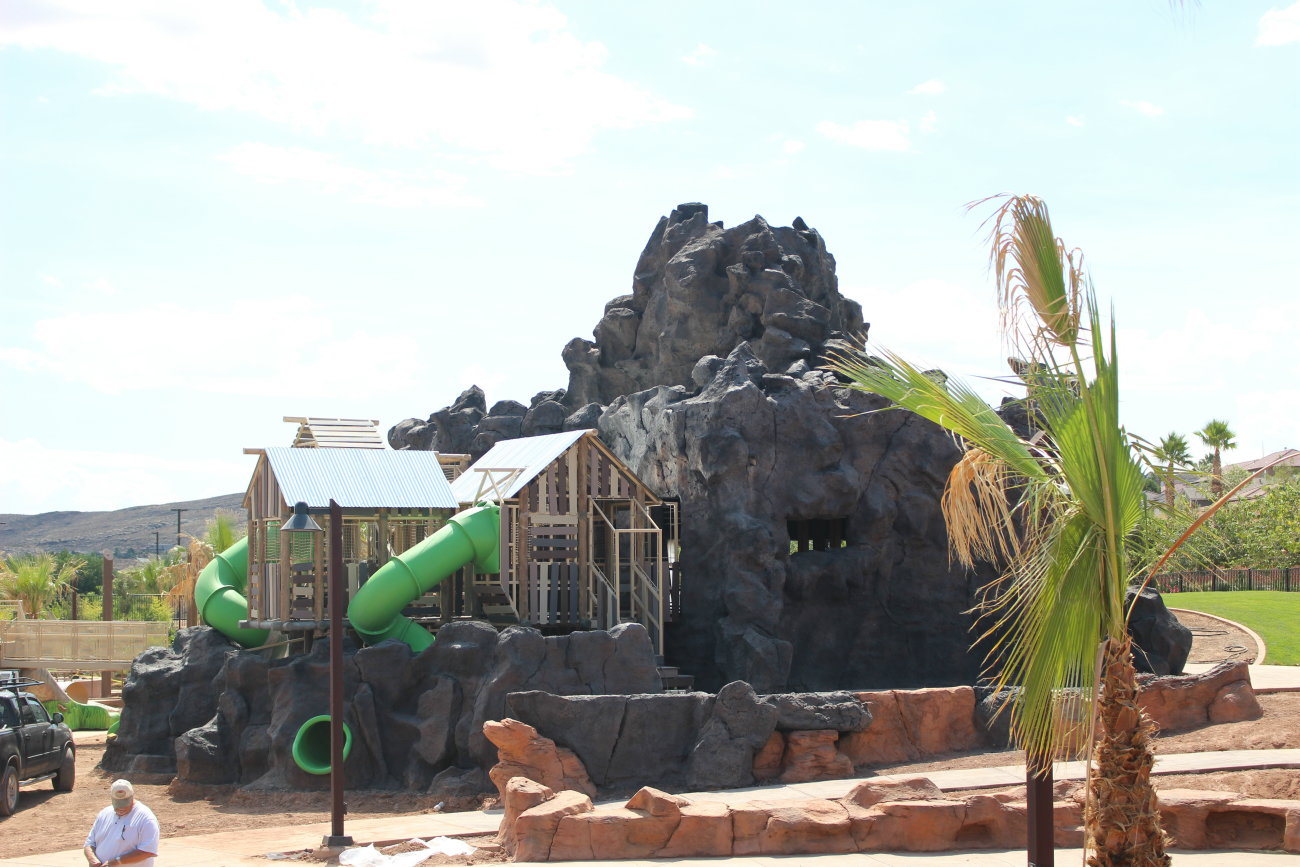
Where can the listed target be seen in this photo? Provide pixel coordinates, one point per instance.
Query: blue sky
(217, 214)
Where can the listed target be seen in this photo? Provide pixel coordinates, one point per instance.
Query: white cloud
(931, 87)
(942, 337)
(83, 480)
(159, 347)
(929, 121)
(51, 281)
(699, 56)
(1279, 26)
(273, 165)
(501, 79)
(1074, 120)
(1150, 109)
(872, 135)
(792, 146)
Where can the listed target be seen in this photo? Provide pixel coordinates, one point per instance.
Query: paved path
(242, 847)
(1264, 678)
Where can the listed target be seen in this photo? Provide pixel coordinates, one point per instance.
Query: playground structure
(551, 531)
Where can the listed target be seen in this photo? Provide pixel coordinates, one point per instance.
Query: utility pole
(157, 545)
(178, 525)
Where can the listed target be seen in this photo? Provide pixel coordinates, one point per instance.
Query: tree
(1055, 509)
(1218, 436)
(36, 579)
(222, 531)
(1172, 452)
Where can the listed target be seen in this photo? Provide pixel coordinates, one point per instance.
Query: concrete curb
(1259, 642)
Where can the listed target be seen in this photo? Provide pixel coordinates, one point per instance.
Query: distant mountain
(122, 531)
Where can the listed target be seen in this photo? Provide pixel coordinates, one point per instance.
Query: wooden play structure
(391, 501)
(584, 543)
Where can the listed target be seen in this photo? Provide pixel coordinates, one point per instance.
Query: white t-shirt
(112, 835)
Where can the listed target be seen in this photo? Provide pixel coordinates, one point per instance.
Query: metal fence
(1287, 579)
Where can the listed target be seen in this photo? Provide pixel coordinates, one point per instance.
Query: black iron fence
(1287, 579)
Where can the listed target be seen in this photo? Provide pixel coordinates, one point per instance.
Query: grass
(1271, 613)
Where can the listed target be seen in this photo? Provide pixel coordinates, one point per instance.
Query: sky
(213, 215)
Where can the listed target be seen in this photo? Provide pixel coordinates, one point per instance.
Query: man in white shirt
(124, 832)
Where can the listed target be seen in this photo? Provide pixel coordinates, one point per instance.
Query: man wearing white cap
(124, 832)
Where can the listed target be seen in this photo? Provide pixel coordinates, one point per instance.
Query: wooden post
(1038, 806)
(336, 583)
(106, 615)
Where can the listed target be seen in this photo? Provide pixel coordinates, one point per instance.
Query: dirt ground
(47, 821)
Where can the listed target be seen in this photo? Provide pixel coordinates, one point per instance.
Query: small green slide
(471, 536)
(219, 595)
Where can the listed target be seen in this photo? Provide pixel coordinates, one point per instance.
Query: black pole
(178, 525)
(157, 543)
(336, 836)
(1038, 806)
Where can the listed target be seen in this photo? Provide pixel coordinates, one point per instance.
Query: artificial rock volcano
(707, 382)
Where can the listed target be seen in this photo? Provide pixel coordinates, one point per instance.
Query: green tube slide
(471, 536)
(219, 595)
(311, 745)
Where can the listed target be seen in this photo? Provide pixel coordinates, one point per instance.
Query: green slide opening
(311, 745)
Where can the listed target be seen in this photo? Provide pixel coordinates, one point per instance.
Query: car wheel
(8, 791)
(66, 775)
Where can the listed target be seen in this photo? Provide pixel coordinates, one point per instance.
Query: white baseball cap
(121, 792)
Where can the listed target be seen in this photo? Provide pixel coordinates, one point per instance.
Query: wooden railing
(77, 644)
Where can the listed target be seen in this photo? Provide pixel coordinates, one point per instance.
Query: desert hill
(121, 531)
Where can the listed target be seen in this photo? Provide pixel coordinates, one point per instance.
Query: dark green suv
(34, 746)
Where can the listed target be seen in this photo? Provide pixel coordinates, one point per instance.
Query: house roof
(1289, 458)
(361, 478)
(529, 455)
(336, 433)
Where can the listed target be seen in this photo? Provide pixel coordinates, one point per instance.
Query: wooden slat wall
(69, 644)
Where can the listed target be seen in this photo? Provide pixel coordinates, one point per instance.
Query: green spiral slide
(219, 595)
(471, 536)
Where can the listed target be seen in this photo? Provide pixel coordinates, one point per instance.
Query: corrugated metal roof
(361, 478)
(532, 455)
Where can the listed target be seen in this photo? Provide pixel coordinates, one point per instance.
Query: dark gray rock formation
(700, 289)
(678, 741)
(212, 713)
(1160, 642)
(814, 552)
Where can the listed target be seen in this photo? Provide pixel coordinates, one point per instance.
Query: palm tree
(1055, 509)
(1172, 452)
(221, 531)
(36, 580)
(1218, 436)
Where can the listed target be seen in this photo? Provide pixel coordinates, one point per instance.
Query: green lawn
(1274, 615)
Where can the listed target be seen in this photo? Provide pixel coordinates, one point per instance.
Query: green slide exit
(471, 536)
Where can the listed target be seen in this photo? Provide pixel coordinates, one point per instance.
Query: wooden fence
(1229, 579)
(78, 644)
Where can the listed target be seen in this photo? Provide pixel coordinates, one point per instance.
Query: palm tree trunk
(1123, 815)
(1216, 476)
(1169, 489)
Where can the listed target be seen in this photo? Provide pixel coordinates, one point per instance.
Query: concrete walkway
(243, 847)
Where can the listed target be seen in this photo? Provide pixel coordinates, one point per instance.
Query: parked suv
(34, 746)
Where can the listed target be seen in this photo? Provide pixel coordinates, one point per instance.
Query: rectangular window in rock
(817, 534)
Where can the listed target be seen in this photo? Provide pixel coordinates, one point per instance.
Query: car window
(8, 715)
(38, 710)
(28, 715)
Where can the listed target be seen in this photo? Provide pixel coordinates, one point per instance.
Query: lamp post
(178, 523)
(301, 522)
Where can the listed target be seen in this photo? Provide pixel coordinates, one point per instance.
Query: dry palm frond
(977, 508)
(1032, 267)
